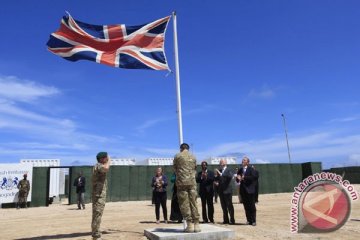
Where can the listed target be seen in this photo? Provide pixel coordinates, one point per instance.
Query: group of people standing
(221, 182)
(211, 183)
(184, 200)
(184, 204)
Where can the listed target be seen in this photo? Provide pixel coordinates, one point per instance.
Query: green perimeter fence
(132, 183)
(352, 174)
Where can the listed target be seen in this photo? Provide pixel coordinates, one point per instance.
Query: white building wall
(10, 176)
(123, 161)
(55, 182)
(160, 161)
(62, 181)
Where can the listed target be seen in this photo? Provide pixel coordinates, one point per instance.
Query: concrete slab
(208, 232)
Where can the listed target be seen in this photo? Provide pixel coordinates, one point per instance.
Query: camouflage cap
(101, 155)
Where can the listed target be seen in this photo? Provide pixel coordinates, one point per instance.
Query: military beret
(101, 155)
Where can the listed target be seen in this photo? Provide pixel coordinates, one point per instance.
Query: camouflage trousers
(187, 202)
(97, 212)
(22, 197)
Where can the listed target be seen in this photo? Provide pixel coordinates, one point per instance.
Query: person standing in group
(237, 184)
(206, 192)
(159, 183)
(175, 214)
(24, 189)
(225, 192)
(256, 196)
(79, 183)
(99, 188)
(185, 169)
(216, 184)
(248, 177)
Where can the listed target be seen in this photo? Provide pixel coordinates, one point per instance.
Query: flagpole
(286, 135)
(177, 74)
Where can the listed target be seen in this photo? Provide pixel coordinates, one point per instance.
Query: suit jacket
(80, 185)
(206, 185)
(226, 183)
(250, 179)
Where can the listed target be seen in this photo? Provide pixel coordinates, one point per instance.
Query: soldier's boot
(17, 206)
(197, 226)
(190, 227)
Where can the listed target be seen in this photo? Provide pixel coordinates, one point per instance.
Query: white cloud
(204, 108)
(264, 93)
(345, 119)
(10, 109)
(14, 89)
(49, 136)
(330, 147)
(166, 152)
(153, 122)
(355, 157)
(59, 137)
(150, 123)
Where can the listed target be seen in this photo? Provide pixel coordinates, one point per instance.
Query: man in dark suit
(256, 185)
(225, 192)
(248, 178)
(79, 183)
(206, 192)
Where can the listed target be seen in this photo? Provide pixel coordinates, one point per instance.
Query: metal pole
(286, 135)
(177, 74)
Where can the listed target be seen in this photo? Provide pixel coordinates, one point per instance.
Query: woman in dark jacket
(175, 214)
(159, 183)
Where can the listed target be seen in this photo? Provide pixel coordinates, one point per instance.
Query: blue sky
(242, 64)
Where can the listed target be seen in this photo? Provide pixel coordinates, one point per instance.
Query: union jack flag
(140, 47)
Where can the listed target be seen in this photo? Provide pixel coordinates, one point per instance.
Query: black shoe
(212, 221)
(232, 223)
(225, 223)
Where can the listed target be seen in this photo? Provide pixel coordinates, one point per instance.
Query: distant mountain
(141, 162)
(238, 155)
(79, 163)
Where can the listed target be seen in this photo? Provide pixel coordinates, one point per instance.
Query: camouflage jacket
(24, 186)
(185, 169)
(99, 181)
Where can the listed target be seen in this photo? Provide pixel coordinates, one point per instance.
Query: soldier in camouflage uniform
(185, 169)
(99, 185)
(24, 189)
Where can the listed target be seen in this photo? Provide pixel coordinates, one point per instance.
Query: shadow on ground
(58, 236)
(162, 222)
(77, 235)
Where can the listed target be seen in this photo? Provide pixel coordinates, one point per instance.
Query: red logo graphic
(325, 207)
